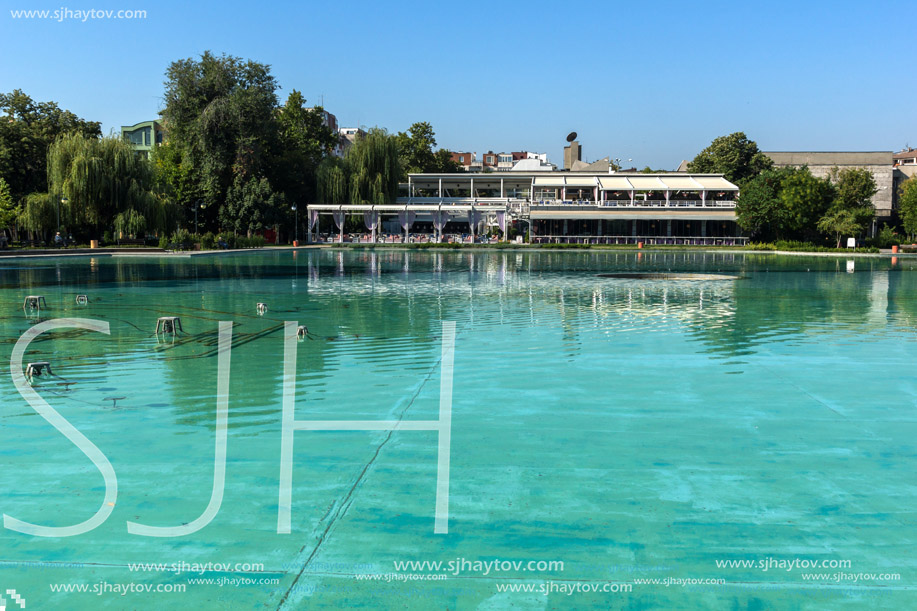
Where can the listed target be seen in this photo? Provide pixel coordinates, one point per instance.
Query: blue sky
(652, 82)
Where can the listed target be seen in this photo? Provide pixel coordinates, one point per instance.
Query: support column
(668, 227)
(599, 229)
(471, 215)
(633, 228)
(703, 229)
(440, 188)
(502, 190)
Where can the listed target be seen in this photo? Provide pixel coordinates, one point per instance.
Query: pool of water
(657, 427)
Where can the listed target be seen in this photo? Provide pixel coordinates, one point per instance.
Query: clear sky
(653, 82)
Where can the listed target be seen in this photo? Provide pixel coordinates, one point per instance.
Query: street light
(64, 201)
(296, 223)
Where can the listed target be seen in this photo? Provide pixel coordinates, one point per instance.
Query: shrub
(164, 242)
(182, 239)
(887, 238)
(208, 241)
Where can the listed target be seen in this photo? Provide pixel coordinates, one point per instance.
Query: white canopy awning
(715, 183)
(680, 183)
(615, 183)
(550, 181)
(647, 183)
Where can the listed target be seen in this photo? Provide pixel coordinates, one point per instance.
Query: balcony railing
(648, 240)
(639, 203)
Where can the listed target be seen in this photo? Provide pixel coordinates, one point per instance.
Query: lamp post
(196, 206)
(295, 224)
(64, 201)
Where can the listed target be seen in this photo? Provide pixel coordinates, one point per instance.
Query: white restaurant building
(583, 207)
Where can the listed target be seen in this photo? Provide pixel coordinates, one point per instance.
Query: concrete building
(879, 163)
(349, 135)
(144, 136)
(573, 152)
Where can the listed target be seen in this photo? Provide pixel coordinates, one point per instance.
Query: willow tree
(97, 179)
(369, 173)
(37, 213)
(374, 167)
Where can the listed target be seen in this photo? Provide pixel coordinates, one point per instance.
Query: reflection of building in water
(878, 299)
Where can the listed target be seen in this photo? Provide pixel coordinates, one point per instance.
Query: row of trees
(790, 203)
(235, 159)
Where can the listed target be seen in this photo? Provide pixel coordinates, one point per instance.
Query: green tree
(805, 199)
(130, 222)
(839, 222)
(443, 163)
(222, 113)
(38, 212)
(734, 156)
(368, 174)
(333, 186)
(417, 155)
(251, 205)
(907, 205)
(305, 141)
(9, 211)
(91, 181)
(759, 209)
(27, 129)
(373, 168)
(415, 148)
(855, 188)
(172, 176)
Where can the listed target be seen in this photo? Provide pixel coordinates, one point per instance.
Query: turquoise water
(631, 429)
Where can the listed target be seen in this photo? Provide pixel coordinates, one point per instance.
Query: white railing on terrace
(640, 203)
(634, 239)
(464, 201)
(519, 205)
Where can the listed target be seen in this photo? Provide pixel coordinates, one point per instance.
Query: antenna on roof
(571, 136)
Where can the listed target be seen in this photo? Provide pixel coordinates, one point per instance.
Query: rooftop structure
(905, 157)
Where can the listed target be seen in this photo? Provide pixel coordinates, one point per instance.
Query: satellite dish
(571, 136)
